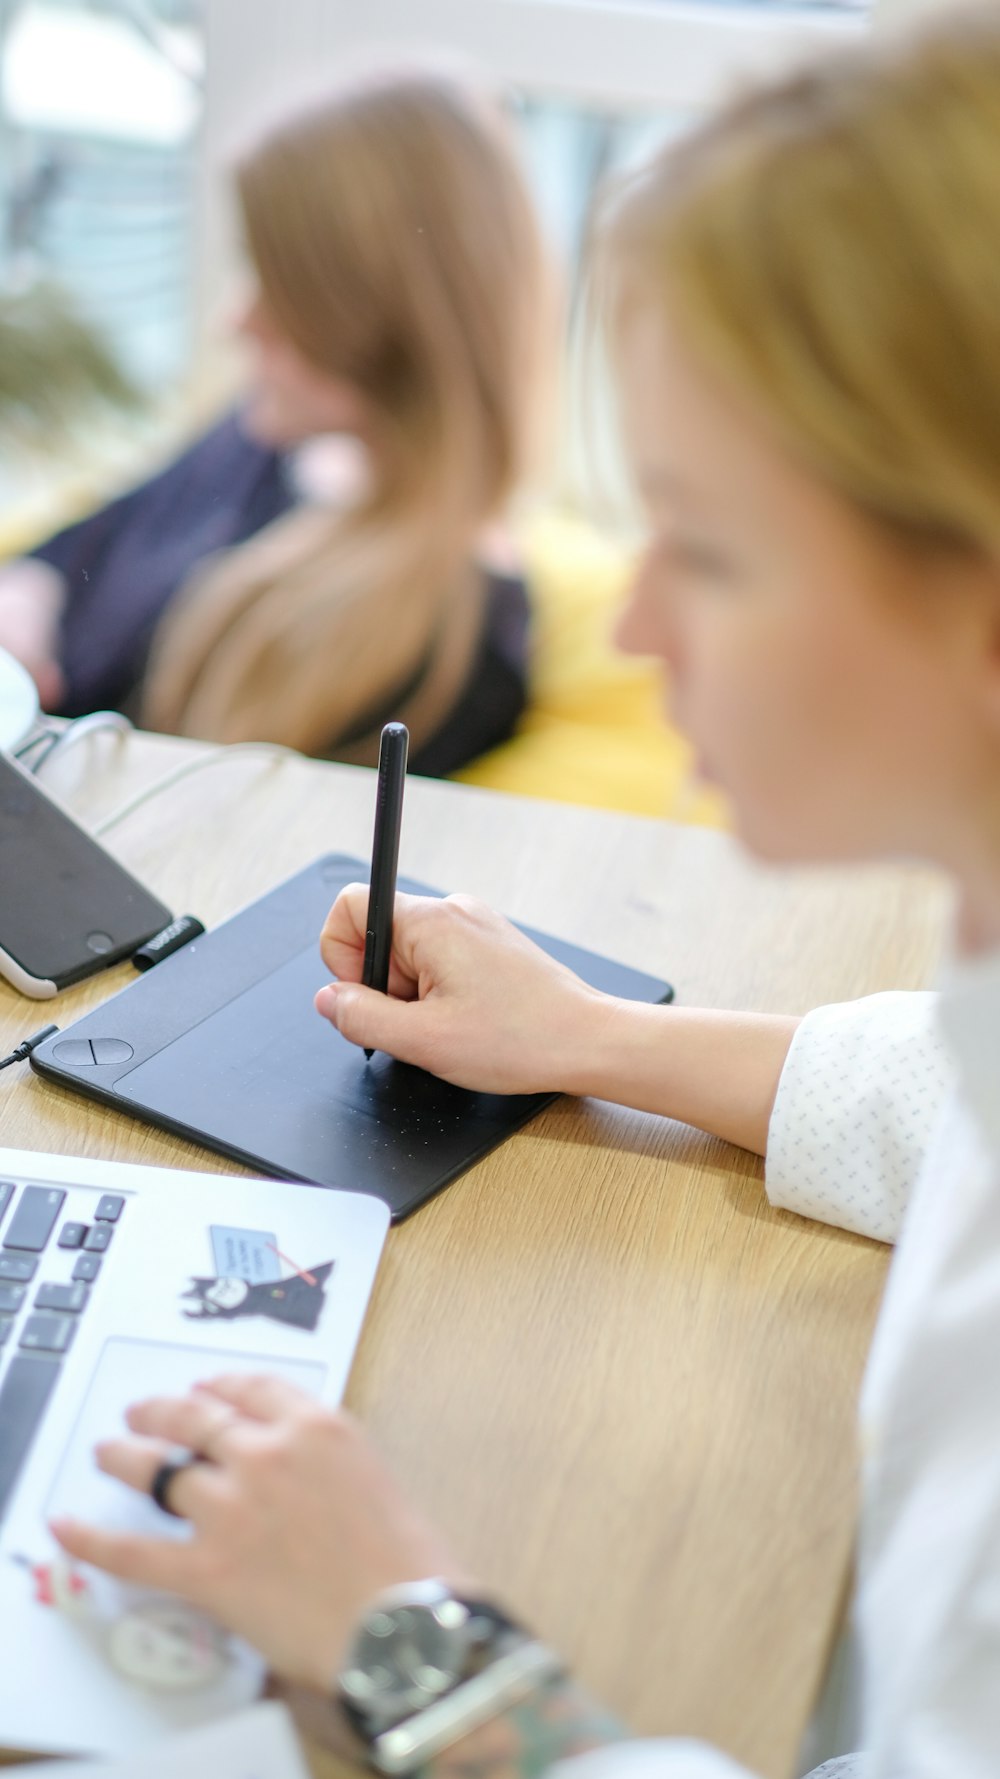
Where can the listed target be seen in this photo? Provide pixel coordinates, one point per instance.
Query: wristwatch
(426, 1667)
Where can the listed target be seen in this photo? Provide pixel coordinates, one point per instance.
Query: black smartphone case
(68, 908)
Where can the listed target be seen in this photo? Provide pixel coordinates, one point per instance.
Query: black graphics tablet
(221, 1044)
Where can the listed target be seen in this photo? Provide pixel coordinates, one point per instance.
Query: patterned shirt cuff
(862, 1089)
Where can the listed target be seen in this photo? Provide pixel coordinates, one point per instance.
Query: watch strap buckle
(504, 1682)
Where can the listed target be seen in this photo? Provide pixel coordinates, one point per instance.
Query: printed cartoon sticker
(250, 1254)
(57, 1582)
(296, 1298)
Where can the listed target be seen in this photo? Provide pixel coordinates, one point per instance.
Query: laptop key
(47, 1334)
(6, 1194)
(86, 1269)
(98, 1238)
(5, 1327)
(109, 1208)
(34, 1218)
(11, 1299)
(24, 1392)
(71, 1298)
(19, 1267)
(72, 1235)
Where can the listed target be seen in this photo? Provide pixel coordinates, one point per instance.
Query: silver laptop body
(119, 1282)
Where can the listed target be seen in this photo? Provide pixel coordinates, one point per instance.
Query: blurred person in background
(326, 558)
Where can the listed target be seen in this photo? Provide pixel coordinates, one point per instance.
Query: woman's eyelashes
(698, 558)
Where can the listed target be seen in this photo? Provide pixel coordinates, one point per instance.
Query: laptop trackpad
(128, 1371)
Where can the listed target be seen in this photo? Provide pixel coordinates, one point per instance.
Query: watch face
(405, 1657)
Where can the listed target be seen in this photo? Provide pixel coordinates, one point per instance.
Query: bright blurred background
(117, 119)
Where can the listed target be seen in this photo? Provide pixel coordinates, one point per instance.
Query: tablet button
(111, 1050)
(74, 1051)
(99, 943)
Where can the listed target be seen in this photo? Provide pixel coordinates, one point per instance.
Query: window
(630, 52)
(100, 110)
(596, 79)
(595, 82)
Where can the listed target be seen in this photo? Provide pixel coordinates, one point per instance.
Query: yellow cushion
(51, 506)
(595, 730)
(18, 535)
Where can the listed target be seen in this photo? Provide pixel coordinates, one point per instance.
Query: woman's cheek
(712, 683)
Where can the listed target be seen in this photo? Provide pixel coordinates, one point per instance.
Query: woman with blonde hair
(247, 593)
(806, 309)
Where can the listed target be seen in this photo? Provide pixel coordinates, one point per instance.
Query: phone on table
(67, 908)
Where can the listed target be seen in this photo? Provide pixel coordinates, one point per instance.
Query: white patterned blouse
(887, 1121)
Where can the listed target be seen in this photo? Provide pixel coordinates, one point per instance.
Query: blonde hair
(830, 246)
(396, 247)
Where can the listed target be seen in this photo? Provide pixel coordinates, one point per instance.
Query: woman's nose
(643, 626)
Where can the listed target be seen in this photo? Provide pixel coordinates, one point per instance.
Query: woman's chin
(792, 843)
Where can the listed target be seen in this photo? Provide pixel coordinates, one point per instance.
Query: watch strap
(504, 1630)
(503, 1682)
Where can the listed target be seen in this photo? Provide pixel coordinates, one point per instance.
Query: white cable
(75, 731)
(272, 749)
(28, 747)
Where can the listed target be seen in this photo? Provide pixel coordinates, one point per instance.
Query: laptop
(119, 1282)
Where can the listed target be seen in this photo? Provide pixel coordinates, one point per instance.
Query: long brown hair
(830, 245)
(397, 248)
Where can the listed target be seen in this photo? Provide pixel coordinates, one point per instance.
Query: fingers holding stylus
(480, 1005)
(342, 940)
(375, 1021)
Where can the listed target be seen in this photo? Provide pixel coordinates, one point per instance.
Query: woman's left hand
(297, 1523)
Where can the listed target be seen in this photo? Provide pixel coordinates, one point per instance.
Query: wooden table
(621, 1381)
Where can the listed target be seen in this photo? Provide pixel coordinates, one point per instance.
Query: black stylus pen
(385, 854)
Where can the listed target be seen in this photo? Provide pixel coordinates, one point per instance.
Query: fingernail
(326, 1002)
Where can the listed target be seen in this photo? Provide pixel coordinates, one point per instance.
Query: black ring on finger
(163, 1477)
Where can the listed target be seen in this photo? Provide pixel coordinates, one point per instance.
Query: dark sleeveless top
(124, 564)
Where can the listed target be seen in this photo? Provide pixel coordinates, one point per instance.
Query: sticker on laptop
(254, 1278)
(250, 1254)
(57, 1582)
(161, 1644)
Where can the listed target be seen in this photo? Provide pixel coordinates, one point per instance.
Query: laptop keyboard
(49, 1266)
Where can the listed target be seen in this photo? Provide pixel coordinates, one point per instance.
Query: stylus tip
(368, 1055)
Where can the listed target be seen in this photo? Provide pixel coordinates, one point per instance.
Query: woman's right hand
(470, 998)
